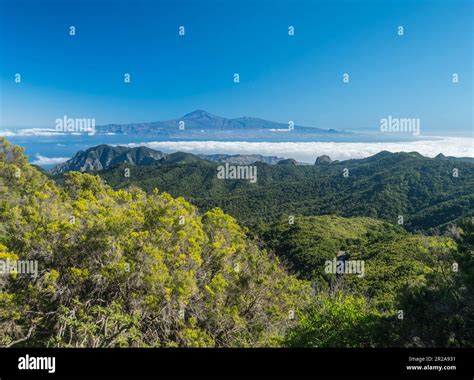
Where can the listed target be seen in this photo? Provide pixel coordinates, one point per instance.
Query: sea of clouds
(39, 132)
(47, 161)
(308, 151)
(301, 151)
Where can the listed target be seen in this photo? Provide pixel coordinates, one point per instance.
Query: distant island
(201, 125)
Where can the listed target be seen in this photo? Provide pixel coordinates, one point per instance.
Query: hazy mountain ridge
(200, 119)
(241, 159)
(201, 125)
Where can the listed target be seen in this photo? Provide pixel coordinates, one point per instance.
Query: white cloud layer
(308, 151)
(29, 132)
(44, 161)
(36, 132)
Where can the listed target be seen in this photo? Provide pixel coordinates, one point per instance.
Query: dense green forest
(131, 265)
(426, 282)
(428, 193)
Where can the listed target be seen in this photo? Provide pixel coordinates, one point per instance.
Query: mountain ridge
(200, 125)
(386, 185)
(202, 119)
(103, 157)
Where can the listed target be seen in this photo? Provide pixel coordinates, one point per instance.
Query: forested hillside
(126, 268)
(427, 193)
(413, 290)
(122, 268)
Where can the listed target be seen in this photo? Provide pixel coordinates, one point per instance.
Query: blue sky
(281, 77)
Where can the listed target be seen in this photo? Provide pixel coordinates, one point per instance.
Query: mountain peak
(323, 160)
(199, 114)
(288, 162)
(104, 156)
(205, 126)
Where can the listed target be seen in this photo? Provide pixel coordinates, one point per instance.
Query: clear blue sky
(282, 77)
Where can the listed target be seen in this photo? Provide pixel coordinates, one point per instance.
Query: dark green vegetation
(429, 279)
(119, 268)
(128, 267)
(385, 186)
